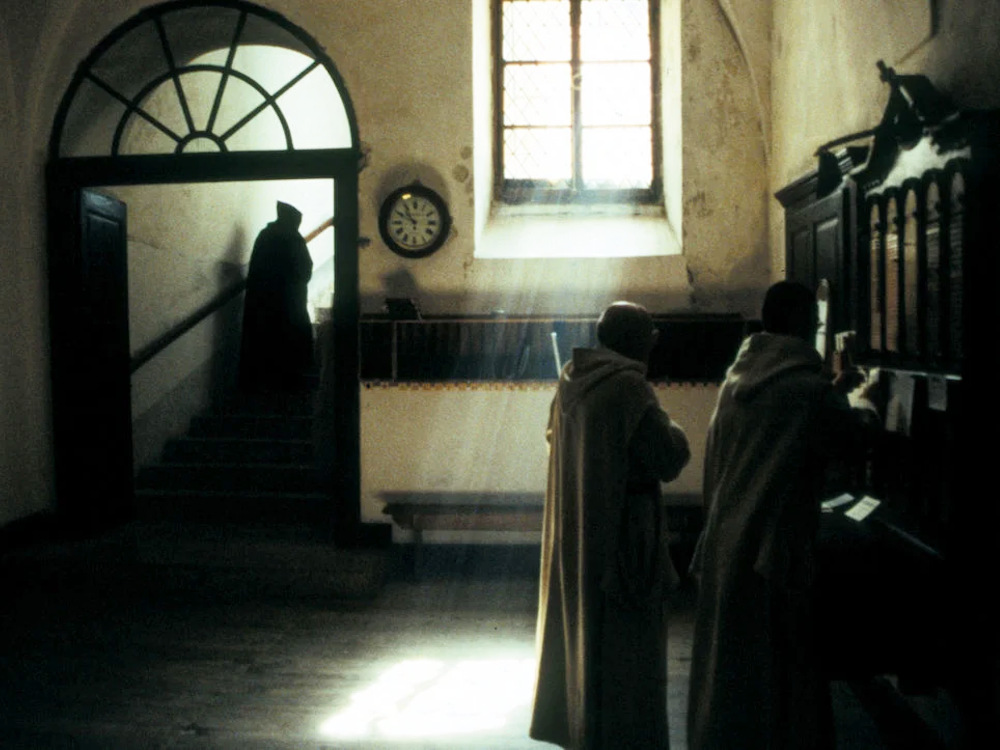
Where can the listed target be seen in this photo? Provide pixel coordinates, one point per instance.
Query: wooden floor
(93, 658)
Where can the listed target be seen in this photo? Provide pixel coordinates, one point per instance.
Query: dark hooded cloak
(277, 341)
(755, 672)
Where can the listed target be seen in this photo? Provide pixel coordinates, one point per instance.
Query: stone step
(230, 477)
(238, 450)
(217, 506)
(297, 403)
(252, 426)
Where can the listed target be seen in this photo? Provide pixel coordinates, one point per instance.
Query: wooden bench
(462, 511)
(487, 511)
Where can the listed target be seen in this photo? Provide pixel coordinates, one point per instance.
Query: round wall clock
(414, 221)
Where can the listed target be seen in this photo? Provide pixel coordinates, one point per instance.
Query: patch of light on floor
(439, 697)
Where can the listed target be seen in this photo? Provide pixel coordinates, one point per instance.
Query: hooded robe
(601, 637)
(277, 340)
(755, 678)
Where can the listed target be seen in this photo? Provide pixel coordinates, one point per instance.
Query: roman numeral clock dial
(414, 221)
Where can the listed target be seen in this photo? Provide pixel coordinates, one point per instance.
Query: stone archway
(194, 92)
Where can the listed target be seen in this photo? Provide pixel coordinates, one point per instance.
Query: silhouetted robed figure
(756, 682)
(277, 345)
(605, 567)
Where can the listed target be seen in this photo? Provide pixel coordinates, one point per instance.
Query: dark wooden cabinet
(909, 239)
(819, 233)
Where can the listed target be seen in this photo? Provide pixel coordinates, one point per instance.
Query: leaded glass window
(577, 102)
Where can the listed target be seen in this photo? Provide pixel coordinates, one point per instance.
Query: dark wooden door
(820, 226)
(92, 381)
(70, 264)
(815, 251)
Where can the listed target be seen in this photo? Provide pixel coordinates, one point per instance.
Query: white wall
(188, 242)
(485, 437)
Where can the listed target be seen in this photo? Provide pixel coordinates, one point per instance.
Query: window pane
(613, 130)
(537, 94)
(141, 137)
(537, 154)
(91, 122)
(138, 50)
(193, 32)
(617, 158)
(536, 30)
(614, 30)
(616, 94)
(262, 133)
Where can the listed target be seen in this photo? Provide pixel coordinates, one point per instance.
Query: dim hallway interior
(852, 146)
(99, 651)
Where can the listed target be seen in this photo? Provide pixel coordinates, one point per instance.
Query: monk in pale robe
(755, 677)
(605, 569)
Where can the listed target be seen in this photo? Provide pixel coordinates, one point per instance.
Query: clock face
(414, 221)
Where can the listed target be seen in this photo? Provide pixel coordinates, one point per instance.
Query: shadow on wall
(227, 322)
(195, 372)
(737, 288)
(400, 284)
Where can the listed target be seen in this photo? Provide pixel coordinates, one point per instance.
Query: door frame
(67, 177)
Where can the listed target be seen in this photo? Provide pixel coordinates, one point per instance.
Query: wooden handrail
(318, 230)
(151, 350)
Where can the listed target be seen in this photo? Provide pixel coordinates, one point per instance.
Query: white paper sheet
(863, 508)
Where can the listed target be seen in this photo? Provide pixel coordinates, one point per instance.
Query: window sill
(566, 231)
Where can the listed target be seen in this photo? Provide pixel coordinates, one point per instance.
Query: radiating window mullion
(271, 101)
(131, 107)
(172, 66)
(217, 103)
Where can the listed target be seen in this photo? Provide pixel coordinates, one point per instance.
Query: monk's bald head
(627, 328)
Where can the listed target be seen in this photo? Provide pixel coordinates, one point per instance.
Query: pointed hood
(289, 214)
(590, 367)
(763, 357)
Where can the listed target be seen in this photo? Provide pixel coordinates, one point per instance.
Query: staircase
(239, 502)
(250, 462)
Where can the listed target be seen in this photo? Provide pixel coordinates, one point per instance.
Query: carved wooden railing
(691, 348)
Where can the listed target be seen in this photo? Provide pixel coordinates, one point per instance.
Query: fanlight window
(186, 79)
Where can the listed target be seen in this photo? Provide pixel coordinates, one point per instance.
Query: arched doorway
(191, 91)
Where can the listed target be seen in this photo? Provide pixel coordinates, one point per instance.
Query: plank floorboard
(104, 664)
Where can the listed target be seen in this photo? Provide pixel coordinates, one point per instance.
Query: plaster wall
(26, 476)
(187, 244)
(723, 155)
(410, 70)
(724, 183)
(826, 84)
(486, 437)
(481, 184)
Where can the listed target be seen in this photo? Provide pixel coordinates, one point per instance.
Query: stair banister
(149, 351)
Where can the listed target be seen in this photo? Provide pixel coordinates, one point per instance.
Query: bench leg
(418, 551)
